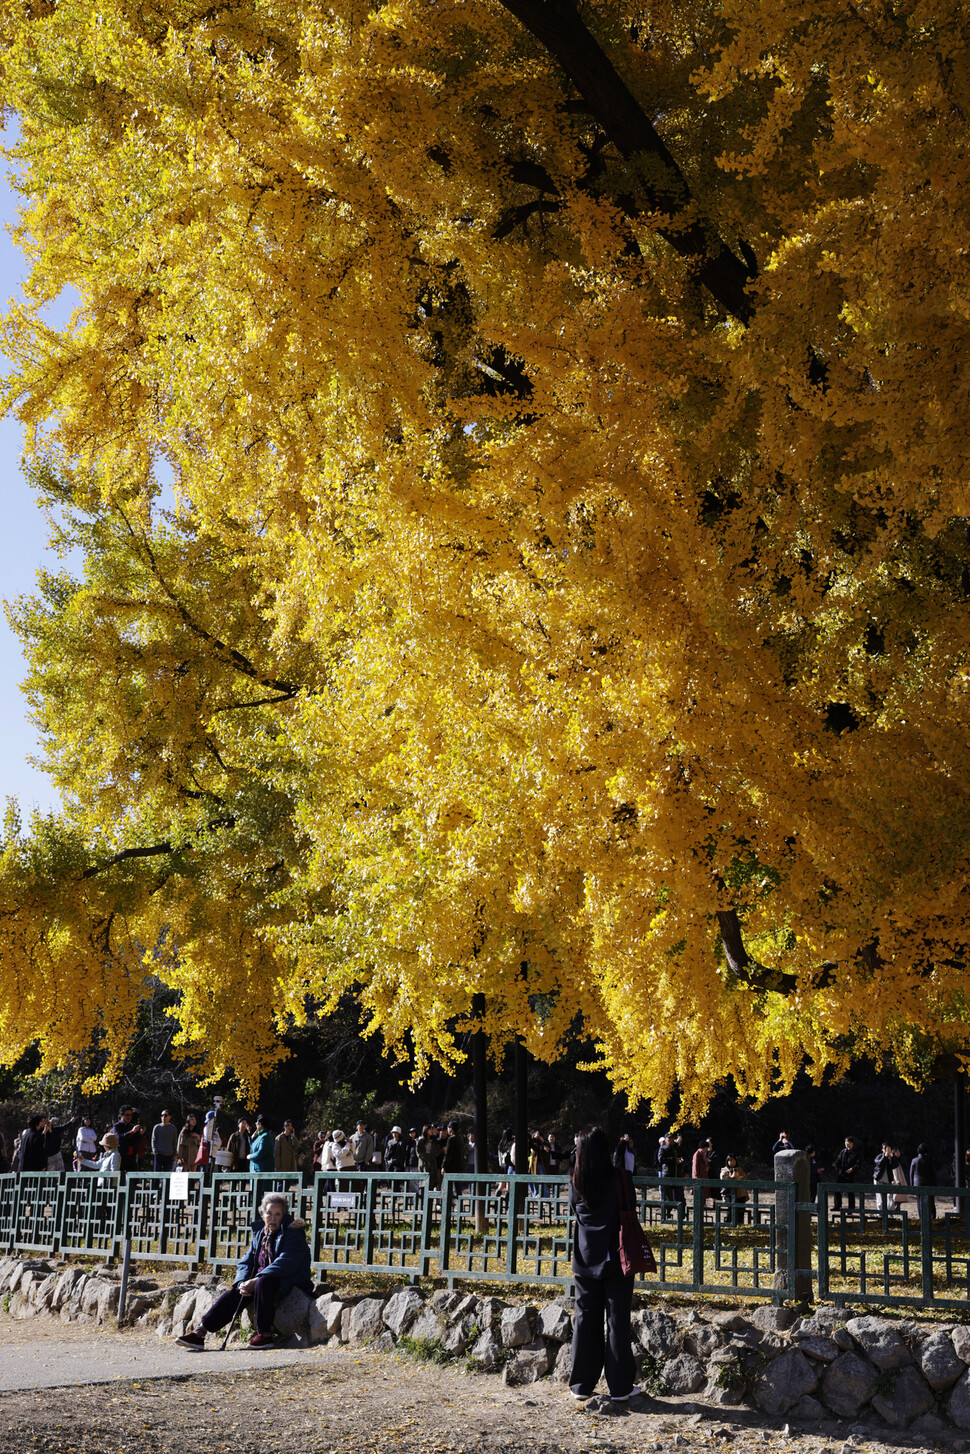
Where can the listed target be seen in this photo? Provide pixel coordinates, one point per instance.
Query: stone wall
(818, 1370)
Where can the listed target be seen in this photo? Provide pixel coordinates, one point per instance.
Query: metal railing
(862, 1243)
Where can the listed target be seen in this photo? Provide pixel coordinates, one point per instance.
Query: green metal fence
(887, 1245)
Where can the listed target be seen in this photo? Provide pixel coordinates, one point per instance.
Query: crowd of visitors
(129, 1145)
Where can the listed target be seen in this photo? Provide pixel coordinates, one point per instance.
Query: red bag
(636, 1254)
(202, 1155)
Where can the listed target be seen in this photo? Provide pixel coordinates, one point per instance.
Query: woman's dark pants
(600, 1299)
(262, 1305)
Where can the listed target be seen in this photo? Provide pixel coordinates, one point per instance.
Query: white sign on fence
(347, 1199)
(178, 1186)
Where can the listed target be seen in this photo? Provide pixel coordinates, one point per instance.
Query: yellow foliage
(538, 594)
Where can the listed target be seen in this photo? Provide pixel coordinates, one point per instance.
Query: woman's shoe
(575, 1393)
(262, 1340)
(622, 1398)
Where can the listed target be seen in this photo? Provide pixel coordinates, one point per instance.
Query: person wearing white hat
(343, 1153)
(395, 1151)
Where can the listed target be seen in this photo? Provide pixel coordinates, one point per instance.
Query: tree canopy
(567, 598)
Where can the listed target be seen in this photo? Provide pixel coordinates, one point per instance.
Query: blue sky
(22, 550)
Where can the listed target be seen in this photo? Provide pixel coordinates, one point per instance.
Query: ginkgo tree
(566, 606)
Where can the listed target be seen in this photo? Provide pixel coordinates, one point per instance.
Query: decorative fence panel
(900, 1245)
(37, 1222)
(163, 1228)
(512, 1230)
(882, 1245)
(92, 1209)
(373, 1221)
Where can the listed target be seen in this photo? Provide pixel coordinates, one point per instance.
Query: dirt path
(341, 1401)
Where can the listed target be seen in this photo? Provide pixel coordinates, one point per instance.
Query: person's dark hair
(35, 1121)
(922, 1149)
(593, 1169)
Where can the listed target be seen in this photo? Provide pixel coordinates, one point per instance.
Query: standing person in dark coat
(922, 1172)
(33, 1145)
(815, 1170)
(395, 1151)
(882, 1171)
(670, 1162)
(453, 1158)
(239, 1147)
(601, 1288)
(52, 1141)
(848, 1167)
(129, 1134)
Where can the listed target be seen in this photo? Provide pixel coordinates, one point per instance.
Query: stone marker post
(792, 1167)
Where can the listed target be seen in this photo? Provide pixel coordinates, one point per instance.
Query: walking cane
(232, 1325)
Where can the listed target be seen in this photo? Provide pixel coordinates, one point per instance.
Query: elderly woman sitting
(277, 1261)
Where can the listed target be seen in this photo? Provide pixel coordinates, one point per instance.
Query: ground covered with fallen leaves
(363, 1403)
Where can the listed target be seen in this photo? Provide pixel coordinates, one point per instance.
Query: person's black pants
(163, 1163)
(600, 1299)
(262, 1303)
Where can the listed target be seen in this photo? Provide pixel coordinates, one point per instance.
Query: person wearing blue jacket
(262, 1148)
(278, 1261)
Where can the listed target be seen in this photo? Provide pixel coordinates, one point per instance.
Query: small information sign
(178, 1186)
(348, 1200)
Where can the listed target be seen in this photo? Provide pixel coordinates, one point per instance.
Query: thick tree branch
(153, 850)
(758, 976)
(557, 26)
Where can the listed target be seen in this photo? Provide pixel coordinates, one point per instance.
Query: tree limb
(228, 653)
(758, 976)
(153, 850)
(557, 26)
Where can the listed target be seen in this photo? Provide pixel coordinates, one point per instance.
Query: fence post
(697, 1225)
(447, 1206)
(370, 1188)
(123, 1290)
(822, 1236)
(425, 1259)
(793, 1228)
(517, 1187)
(925, 1202)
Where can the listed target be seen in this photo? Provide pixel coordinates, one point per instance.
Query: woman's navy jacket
(290, 1256)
